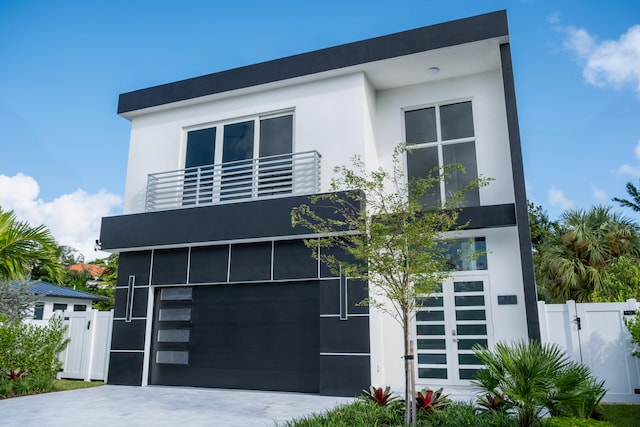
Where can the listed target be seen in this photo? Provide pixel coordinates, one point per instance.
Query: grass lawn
(622, 415)
(62, 385)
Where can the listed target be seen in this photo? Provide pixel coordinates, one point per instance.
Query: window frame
(57, 305)
(439, 143)
(38, 310)
(220, 126)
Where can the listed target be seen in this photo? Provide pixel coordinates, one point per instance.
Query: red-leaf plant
(494, 403)
(429, 400)
(16, 375)
(379, 395)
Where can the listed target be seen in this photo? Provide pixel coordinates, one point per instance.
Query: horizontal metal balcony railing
(265, 177)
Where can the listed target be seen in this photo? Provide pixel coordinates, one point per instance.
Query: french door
(450, 322)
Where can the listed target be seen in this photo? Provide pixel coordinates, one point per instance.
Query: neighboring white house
(52, 298)
(216, 289)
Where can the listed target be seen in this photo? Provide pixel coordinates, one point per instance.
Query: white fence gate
(87, 355)
(595, 334)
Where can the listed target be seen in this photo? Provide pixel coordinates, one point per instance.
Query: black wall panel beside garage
(250, 262)
(330, 296)
(134, 264)
(209, 264)
(293, 260)
(344, 336)
(125, 368)
(128, 335)
(169, 266)
(140, 300)
(345, 375)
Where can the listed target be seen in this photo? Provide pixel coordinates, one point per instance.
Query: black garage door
(249, 336)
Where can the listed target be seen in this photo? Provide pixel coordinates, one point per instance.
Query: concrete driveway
(156, 406)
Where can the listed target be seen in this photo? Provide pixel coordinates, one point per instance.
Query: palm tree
(575, 260)
(635, 195)
(22, 245)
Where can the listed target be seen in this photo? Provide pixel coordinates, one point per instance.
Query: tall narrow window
(439, 136)
(198, 182)
(236, 174)
(38, 311)
(276, 144)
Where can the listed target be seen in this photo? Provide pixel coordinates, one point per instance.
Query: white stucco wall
(490, 121)
(48, 307)
(506, 322)
(332, 116)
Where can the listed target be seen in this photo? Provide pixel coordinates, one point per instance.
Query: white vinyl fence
(595, 334)
(87, 355)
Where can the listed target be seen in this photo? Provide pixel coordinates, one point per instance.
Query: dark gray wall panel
(134, 264)
(140, 296)
(169, 266)
(522, 214)
(330, 297)
(250, 262)
(337, 252)
(128, 335)
(125, 368)
(209, 264)
(234, 221)
(344, 375)
(480, 217)
(405, 43)
(344, 336)
(293, 260)
(357, 290)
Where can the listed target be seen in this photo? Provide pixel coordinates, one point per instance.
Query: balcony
(266, 177)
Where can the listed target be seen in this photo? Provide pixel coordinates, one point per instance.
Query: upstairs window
(235, 146)
(236, 141)
(438, 136)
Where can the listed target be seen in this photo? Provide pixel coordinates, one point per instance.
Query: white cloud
(613, 63)
(558, 198)
(554, 18)
(629, 170)
(599, 195)
(74, 219)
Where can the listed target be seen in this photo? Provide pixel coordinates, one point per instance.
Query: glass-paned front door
(448, 325)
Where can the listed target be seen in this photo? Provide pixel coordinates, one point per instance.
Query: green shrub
(534, 376)
(633, 325)
(367, 414)
(358, 414)
(574, 422)
(30, 384)
(30, 348)
(465, 415)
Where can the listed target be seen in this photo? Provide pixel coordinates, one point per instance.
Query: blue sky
(63, 64)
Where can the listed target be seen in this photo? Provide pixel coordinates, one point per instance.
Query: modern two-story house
(216, 288)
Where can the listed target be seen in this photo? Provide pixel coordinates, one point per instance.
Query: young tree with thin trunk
(385, 235)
